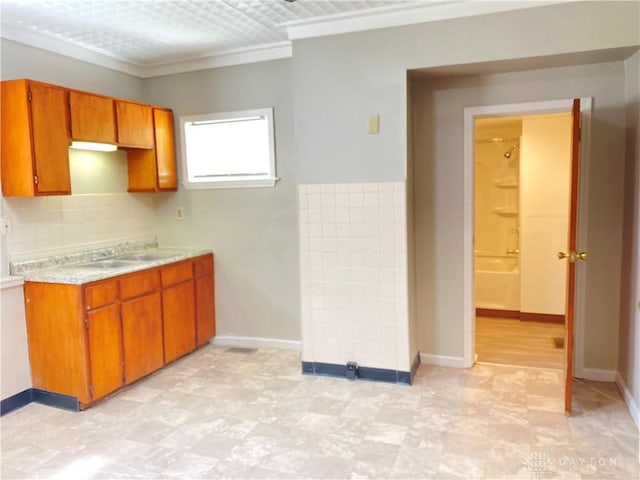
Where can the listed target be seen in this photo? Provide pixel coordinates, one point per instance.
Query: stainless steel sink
(146, 257)
(107, 264)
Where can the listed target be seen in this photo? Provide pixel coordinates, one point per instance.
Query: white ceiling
(154, 37)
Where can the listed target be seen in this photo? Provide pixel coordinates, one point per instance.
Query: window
(232, 149)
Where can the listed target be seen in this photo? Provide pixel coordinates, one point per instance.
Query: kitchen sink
(146, 257)
(107, 264)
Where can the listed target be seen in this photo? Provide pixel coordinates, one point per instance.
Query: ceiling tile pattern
(158, 32)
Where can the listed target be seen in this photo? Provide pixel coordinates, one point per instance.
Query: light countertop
(76, 272)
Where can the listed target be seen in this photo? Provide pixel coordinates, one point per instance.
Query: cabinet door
(105, 350)
(178, 315)
(142, 336)
(16, 160)
(205, 309)
(92, 118)
(165, 150)
(135, 124)
(50, 138)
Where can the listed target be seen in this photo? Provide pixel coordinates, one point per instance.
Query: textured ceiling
(159, 32)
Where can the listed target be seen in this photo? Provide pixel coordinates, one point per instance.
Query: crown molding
(409, 14)
(62, 47)
(272, 51)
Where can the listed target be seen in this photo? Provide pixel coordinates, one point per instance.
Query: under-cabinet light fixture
(94, 146)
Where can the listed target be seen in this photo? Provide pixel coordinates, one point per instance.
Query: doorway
(521, 211)
(580, 109)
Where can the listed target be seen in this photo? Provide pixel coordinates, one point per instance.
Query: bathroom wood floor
(509, 341)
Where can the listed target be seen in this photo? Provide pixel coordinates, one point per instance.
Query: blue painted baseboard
(16, 401)
(52, 399)
(363, 373)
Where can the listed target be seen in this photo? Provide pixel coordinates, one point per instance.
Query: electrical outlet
(5, 226)
(179, 214)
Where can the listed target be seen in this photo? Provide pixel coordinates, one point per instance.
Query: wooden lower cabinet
(87, 341)
(105, 350)
(57, 336)
(205, 306)
(179, 322)
(142, 336)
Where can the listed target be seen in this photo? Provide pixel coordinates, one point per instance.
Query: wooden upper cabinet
(34, 139)
(155, 170)
(38, 122)
(135, 125)
(165, 149)
(92, 117)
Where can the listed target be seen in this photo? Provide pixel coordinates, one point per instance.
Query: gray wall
(252, 231)
(629, 340)
(322, 97)
(438, 130)
(340, 79)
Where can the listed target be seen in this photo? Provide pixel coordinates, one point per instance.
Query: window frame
(239, 181)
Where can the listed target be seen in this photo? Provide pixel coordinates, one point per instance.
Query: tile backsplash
(353, 268)
(57, 224)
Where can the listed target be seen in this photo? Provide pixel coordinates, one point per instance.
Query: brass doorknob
(572, 256)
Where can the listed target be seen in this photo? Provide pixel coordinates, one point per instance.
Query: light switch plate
(179, 213)
(373, 123)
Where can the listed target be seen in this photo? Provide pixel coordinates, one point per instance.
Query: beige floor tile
(222, 414)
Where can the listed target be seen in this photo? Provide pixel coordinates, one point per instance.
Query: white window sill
(254, 183)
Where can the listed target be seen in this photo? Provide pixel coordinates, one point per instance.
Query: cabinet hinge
(86, 322)
(35, 179)
(29, 96)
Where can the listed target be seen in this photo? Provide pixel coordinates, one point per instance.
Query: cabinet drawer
(177, 273)
(100, 294)
(204, 265)
(139, 283)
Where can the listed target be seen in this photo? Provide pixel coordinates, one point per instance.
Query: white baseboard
(632, 404)
(598, 375)
(443, 360)
(257, 342)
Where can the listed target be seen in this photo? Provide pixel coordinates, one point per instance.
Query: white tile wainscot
(353, 249)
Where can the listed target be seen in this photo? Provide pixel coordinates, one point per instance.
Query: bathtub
(497, 282)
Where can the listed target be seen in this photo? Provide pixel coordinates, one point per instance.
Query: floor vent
(558, 342)
(245, 351)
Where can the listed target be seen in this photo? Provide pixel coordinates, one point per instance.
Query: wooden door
(142, 336)
(92, 117)
(165, 150)
(179, 323)
(572, 255)
(49, 123)
(105, 350)
(135, 125)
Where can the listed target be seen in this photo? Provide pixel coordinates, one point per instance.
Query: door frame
(523, 109)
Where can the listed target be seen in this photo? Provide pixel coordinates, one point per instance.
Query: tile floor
(223, 414)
